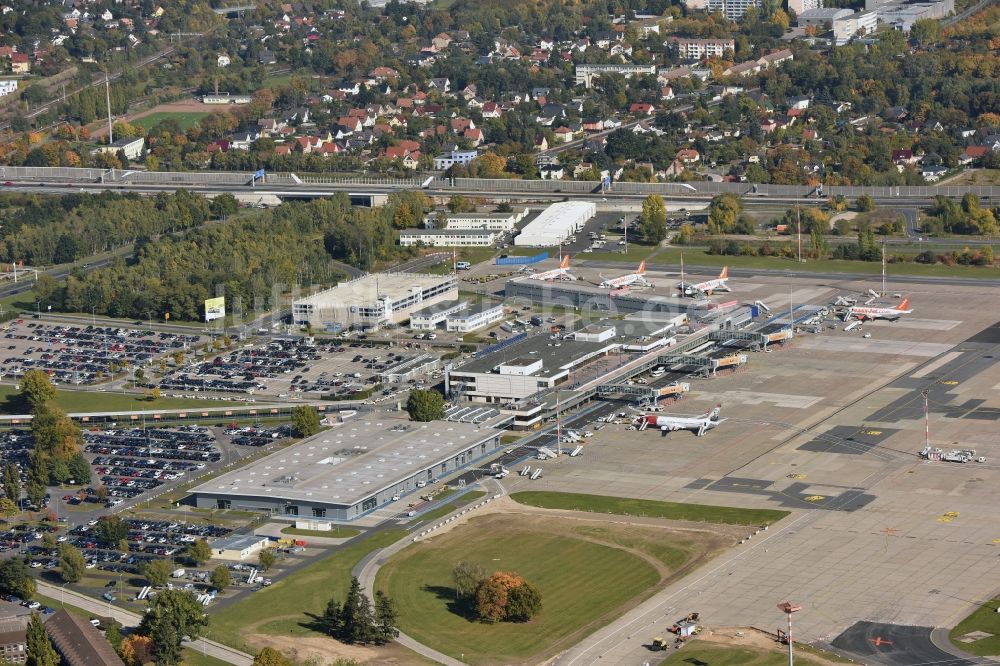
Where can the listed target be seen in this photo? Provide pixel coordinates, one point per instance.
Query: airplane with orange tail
(708, 286)
(561, 273)
(868, 313)
(627, 280)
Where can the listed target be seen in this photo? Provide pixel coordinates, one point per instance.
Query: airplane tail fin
(724, 275)
(565, 262)
(714, 414)
(642, 268)
(905, 303)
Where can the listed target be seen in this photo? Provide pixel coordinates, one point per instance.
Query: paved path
(130, 619)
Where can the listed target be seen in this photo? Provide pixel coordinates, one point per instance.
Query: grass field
(985, 619)
(696, 256)
(186, 119)
(289, 607)
(699, 653)
(974, 177)
(93, 401)
(702, 513)
(337, 532)
(575, 598)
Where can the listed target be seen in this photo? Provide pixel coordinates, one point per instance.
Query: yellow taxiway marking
(949, 382)
(947, 517)
(815, 498)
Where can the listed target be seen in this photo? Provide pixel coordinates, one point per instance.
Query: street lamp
(787, 607)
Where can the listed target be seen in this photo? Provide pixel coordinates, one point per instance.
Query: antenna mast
(927, 423)
(883, 268)
(798, 231)
(107, 96)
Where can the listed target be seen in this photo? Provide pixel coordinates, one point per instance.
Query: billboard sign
(215, 308)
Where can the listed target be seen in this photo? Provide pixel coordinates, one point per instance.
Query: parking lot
(287, 368)
(83, 354)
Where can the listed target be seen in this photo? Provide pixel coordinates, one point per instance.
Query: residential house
(441, 41)
(266, 57)
(491, 110)
(552, 172)
(442, 85)
(973, 153)
(932, 174)
(688, 156)
(20, 63)
(474, 136)
(904, 157)
(541, 143)
(666, 92)
(407, 158)
(223, 61)
(563, 134)
(641, 109)
(809, 134)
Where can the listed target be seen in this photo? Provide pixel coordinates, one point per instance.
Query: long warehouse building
(556, 223)
(350, 470)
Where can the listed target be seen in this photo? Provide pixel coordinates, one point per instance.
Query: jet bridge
(643, 393)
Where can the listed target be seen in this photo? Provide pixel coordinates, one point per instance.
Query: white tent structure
(554, 224)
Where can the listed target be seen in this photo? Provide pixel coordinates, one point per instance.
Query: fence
(516, 261)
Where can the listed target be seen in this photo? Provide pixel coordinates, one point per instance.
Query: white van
(463, 265)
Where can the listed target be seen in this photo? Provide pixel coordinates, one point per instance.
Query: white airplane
(708, 286)
(561, 273)
(864, 313)
(627, 280)
(699, 425)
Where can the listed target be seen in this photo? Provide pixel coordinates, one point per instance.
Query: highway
(312, 191)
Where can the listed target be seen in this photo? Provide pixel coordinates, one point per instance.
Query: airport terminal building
(374, 300)
(352, 469)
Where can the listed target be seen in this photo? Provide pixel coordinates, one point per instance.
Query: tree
(15, 578)
(7, 508)
(37, 644)
(199, 551)
(173, 615)
(425, 405)
(271, 657)
(467, 577)
(306, 421)
(723, 213)
(357, 621)
(266, 559)
(136, 650)
(684, 235)
(506, 596)
(523, 602)
(491, 600)
(79, 469)
(460, 204)
(11, 482)
(653, 222)
(71, 563)
(866, 203)
(330, 620)
(157, 572)
(36, 389)
(111, 530)
(386, 617)
(220, 578)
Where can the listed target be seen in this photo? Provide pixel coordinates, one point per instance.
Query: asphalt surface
(895, 645)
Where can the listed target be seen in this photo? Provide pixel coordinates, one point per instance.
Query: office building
(448, 237)
(374, 300)
(585, 74)
(474, 318)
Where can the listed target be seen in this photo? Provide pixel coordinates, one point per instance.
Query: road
(130, 619)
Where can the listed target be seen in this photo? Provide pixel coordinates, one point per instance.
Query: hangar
(350, 470)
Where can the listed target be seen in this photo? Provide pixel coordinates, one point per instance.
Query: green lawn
(698, 257)
(190, 657)
(186, 119)
(289, 607)
(985, 619)
(702, 513)
(337, 532)
(94, 401)
(445, 509)
(698, 653)
(582, 585)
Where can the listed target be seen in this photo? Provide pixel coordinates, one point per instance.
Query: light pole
(787, 607)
